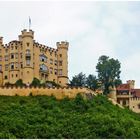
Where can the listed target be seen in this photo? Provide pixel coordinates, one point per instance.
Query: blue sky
(92, 29)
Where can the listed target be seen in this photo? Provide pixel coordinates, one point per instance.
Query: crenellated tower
(26, 38)
(62, 62)
(1, 73)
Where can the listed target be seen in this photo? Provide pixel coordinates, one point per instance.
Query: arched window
(43, 58)
(43, 67)
(27, 51)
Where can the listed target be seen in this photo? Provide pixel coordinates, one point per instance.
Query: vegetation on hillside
(46, 117)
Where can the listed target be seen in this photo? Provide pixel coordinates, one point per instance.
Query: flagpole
(29, 22)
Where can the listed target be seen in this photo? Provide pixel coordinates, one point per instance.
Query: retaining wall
(59, 93)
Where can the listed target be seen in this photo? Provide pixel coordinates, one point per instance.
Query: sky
(91, 28)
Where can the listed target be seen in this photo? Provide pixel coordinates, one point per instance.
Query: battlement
(135, 98)
(26, 33)
(1, 40)
(59, 93)
(45, 48)
(131, 83)
(62, 44)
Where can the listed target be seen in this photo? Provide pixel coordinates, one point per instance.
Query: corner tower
(62, 62)
(1, 73)
(26, 38)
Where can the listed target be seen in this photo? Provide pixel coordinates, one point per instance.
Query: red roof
(135, 92)
(123, 87)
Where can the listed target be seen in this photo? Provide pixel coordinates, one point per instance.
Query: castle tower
(112, 93)
(1, 40)
(1, 73)
(26, 38)
(62, 62)
(131, 83)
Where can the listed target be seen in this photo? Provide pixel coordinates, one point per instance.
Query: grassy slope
(45, 117)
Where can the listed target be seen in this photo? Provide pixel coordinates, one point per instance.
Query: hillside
(46, 117)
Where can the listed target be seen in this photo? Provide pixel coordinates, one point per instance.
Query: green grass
(46, 117)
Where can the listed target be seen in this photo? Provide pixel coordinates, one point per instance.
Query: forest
(45, 117)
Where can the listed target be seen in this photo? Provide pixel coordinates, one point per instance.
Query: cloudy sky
(92, 29)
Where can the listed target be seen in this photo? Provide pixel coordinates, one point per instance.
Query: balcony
(44, 71)
(28, 56)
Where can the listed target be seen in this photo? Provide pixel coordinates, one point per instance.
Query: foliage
(35, 82)
(92, 82)
(19, 83)
(108, 71)
(78, 80)
(45, 117)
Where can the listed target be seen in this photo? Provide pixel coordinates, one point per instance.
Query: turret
(1, 40)
(131, 83)
(26, 38)
(112, 93)
(62, 62)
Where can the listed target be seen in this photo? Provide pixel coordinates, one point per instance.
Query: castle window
(59, 81)
(60, 72)
(55, 62)
(51, 70)
(0, 50)
(12, 66)
(6, 67)
(16, 75)
(16, 65)
(138, 106)
(124, 102)
(12, 75)
(12, 56)
(5, 77)
(60, 55)
(60, 63)
(43, 58)
(43, 67)
(0, 67)
(21, 65)
(28, 51)
(28, 62)
(55, 71)
(16, 47)
(51, 61)
(28, 44)
(6, 57)
(0, 58)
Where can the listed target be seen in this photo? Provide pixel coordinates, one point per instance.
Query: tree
(35, 82)
(92, 82)
(108, 71)
(117, 82)
(19, 83)
(78, 80)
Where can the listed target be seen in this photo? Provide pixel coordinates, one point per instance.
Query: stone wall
(134, 104)
(59, 93)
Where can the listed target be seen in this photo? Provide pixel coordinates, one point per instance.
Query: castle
(27, 59)
(126, 95)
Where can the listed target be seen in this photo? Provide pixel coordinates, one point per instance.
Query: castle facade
(27, 59)
(127, 95)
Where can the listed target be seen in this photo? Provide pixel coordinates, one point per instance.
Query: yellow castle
(27, 59)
